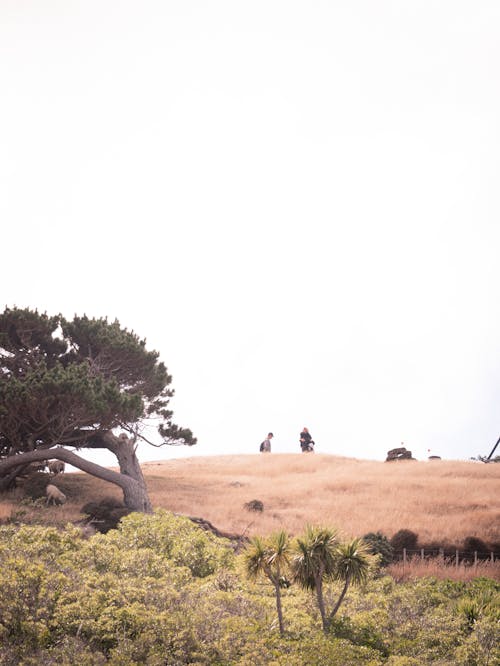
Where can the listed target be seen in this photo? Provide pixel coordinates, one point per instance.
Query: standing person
(265, 447)
(306, 441)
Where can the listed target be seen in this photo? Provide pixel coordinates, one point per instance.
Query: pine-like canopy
(71, 383)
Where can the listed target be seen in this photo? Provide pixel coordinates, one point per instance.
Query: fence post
(441, 554)
(457, 559)
(422, 554)
(404, 559)
(475, 559)
(492, 555)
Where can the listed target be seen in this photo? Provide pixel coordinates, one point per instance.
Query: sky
(295, 202)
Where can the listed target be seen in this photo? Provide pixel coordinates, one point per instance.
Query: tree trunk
(130, 478)
(321, 603)
(8, 480)
(124, 449)
(340, 600)
(278, 601)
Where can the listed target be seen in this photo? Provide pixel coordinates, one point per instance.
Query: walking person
(265, 447)
(306, 441)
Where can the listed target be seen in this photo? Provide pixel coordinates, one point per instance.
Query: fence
(455, 557)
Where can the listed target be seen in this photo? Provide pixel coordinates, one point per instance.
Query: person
(265, 447)
(306, 441)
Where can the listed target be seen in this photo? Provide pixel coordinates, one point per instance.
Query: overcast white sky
(295, 202)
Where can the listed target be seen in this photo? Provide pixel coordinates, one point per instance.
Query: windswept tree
(270, 558)
(70, 385)
(320, 557)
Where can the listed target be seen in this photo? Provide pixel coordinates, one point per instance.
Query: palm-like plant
(320, 557)
(270, 558)
(352, 565)
(315, 562)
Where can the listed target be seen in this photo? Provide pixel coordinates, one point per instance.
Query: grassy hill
(442, 501)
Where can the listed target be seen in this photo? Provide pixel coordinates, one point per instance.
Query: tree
(71, 384)
(320, 557)
(351, 568)
(270, 557)
(314, 562)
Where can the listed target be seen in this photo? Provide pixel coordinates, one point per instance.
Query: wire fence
(450, 557)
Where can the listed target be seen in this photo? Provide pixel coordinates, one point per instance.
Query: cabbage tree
(270, 558)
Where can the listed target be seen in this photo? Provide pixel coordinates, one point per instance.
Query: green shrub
(379, 544)
(176, 538)
(482, 646)
(161, 591)
(362, 629)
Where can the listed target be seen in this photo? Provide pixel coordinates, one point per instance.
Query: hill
(442, 501)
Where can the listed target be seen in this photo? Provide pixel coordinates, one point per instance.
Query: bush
(404, 539)
(105, 514)
(472, 544)
(378, 544)
(176, 538)
(144, 594)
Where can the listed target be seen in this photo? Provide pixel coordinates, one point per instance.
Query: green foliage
(378, 544)
(128, 597)
(270, 558)
(315, 557)
(482, 646)
(176, 538)
(38, 543)
(351, 562)
(363, 629)
(322, 651)
(320, 558)
(61, 382)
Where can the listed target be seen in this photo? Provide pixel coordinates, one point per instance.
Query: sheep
(56, 466)
(54, 495)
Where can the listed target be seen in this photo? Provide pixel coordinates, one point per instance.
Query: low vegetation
(298, 587)
(158, 590)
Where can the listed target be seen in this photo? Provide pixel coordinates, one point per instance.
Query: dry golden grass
(78, 488)
(437, 568)
(441, 501)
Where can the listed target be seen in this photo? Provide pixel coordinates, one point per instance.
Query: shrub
(363, 629)
(176, 538)
(378, 544)
(105, 514)
(404, 539)
(254, 505)
(472, 544)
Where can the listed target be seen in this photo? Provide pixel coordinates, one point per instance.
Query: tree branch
(66, 456)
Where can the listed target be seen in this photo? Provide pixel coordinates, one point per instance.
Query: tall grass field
(441, 501)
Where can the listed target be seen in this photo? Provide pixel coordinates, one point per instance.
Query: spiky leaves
(321, 557)
(315, 562)
(269, 558)
(352, 566)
